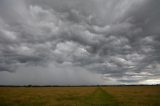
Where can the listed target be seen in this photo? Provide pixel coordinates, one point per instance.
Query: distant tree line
(30, 85)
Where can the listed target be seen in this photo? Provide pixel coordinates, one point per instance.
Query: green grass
(80, 96)
(99, 98)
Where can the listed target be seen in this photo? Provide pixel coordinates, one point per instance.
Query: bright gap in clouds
(77, 42)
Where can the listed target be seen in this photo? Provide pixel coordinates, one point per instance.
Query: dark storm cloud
(116, 38)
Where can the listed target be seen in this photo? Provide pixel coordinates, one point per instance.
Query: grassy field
(80, 96)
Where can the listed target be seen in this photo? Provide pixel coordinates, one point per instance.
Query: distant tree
(29, 85)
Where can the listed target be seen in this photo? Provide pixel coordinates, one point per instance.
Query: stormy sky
(72, 42)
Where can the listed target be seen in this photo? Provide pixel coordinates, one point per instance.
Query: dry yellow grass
(39, 96)
(136, 95)
(74, 96)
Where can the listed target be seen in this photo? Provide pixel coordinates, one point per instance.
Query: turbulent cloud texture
(114, 41)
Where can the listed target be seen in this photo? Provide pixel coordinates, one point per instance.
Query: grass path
(99, 98)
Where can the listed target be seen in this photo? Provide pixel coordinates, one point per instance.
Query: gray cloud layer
(118, 39)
